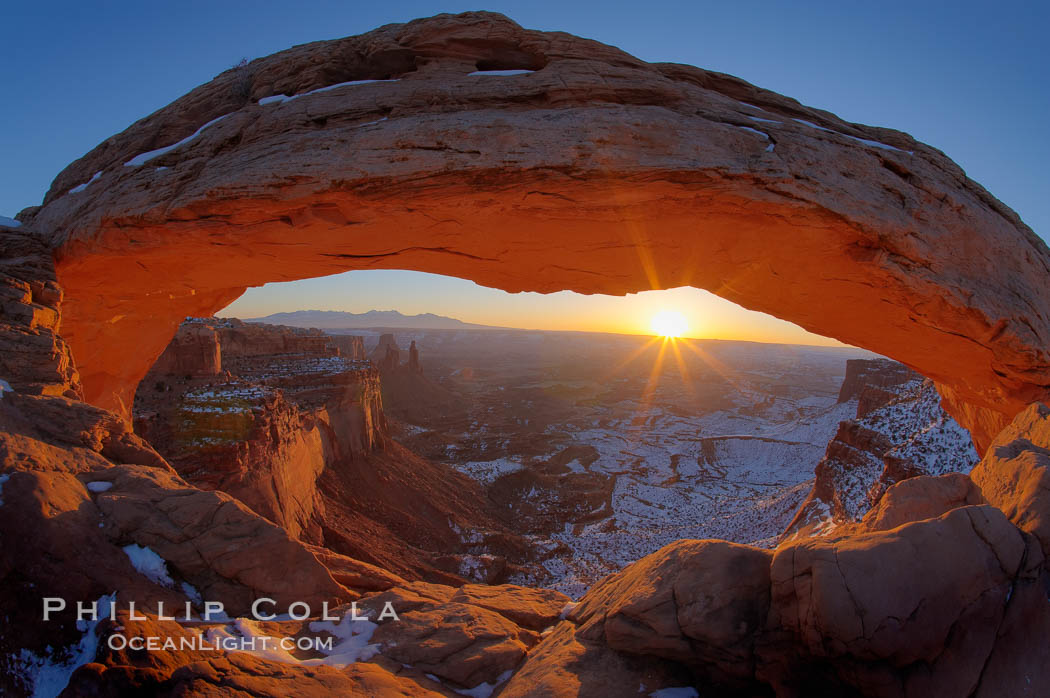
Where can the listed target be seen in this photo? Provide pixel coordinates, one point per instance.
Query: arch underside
(596, 173)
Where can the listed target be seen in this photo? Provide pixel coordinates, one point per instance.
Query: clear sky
(970, 78)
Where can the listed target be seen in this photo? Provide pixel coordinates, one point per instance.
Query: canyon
(261, 462)
(294, 429)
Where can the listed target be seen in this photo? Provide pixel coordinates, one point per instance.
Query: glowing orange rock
(597, 172)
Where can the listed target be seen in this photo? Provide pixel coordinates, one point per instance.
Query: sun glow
(669, 323)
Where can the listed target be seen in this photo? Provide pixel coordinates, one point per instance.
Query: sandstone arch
(596, 173)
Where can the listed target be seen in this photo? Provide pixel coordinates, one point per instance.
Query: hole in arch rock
(597, 173)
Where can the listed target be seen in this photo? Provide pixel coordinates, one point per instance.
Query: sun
(669, 323)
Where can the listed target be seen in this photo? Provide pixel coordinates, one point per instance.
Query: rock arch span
(594, 172)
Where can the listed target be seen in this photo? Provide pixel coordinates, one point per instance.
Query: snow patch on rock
(280, 99)
(81, 187)
(503, 73)
(149, 564)
(143, 158)
(47, 676)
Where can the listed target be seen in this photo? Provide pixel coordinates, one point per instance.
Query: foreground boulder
(1015, 473)
(920, 498)
(565, 663)
(932, 607)
(916, 610)
(699, 603)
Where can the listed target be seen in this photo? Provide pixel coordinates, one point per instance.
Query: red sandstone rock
(413, 358)
(700, 603)
(241, 435)
(245, 339)
(193, 351)
(212, 540)
(465, 644)
(268, 457)
(300, 437)
(566, 664)
(920, 498)
(1015, 473)
(954, 605)
(855, 232)
(900, 432)
(535, 609)
(901, 596)
(33, 358)
(927, 608)
(355, 574)
(865, 374)
(387, 355)
(350, 347)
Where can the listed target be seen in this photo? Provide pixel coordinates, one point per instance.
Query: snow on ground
(813, 125)
(935, 441)
(726, 475)
(354, 636)
(764, 121)
(675, 692)
(863, 141)
(149, 564)
(192, 594)
(485, 690)
(486, 472)
(47, 676)
(921, 434)
(351, 642)
(754, 130)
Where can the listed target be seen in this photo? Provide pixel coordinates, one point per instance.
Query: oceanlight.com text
(200, 643)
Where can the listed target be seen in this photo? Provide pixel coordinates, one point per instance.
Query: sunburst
(669, 323)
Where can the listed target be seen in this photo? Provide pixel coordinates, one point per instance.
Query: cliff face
(253, 445)
(900, 432)
(33, 357)
(873, 377)
(350, 346)
(301, 438)
(194, 351)
(245, 339)
(294, 408)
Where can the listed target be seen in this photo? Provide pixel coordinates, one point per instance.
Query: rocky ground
(604, 449)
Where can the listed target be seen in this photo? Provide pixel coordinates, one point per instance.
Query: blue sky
(972, 79)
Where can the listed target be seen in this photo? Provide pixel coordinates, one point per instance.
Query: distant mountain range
(335, 319)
